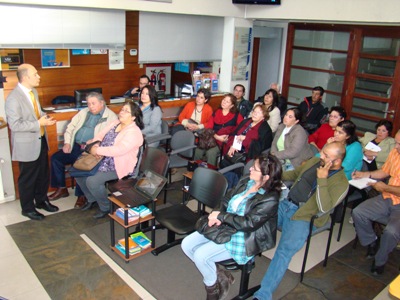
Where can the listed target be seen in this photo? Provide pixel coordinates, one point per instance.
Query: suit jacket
(24, 125)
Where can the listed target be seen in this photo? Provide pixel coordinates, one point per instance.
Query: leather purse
(218, 234)
(87, 162)
(236, 158)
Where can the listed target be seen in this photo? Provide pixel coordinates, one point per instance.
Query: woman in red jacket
(195, 115)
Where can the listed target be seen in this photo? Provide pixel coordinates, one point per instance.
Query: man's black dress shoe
(88, 205)
(47, 206)
(100, 214)
(372, 249)
(33, 215)
(377, 270)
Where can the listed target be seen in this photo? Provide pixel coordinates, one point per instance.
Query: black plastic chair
(232, 265)
(208, 187)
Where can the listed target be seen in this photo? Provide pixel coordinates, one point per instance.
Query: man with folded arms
(384, 206)
(83, 127)
(28, 123)
(319, 185)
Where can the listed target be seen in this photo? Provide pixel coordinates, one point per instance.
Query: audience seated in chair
(312, 110)
(319, 185)
(152, 113)
(83, 127)
(385, 205)
(270, 101)
(327, 130)
(223, 122)
(251, 209)
(254, 135)
(383, 140)
(119, 144)
(290, 141)
(196, 114)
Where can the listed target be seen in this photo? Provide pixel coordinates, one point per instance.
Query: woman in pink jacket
(119, 144)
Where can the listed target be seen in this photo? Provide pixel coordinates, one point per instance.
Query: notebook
(137, 191)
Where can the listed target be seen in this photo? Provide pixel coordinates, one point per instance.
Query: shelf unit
(115, 203)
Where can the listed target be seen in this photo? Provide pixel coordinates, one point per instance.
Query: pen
(354, 172)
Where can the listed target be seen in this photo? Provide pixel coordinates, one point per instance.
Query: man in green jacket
(319, 185)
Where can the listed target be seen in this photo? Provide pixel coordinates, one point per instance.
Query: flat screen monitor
(80, 95)
(267, 2)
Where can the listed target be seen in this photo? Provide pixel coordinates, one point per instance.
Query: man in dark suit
(28, 124)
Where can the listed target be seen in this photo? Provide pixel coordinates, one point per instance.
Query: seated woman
(152, 113)
(327, 130)
(223, 122)
(381, 139)
(290, 141)
(252, 136)
(345, 133)
(196, 114)
(251, 208)
(271, 100)
(120, 143)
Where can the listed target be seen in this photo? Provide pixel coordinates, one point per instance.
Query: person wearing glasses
(251, 209)
(327, 130)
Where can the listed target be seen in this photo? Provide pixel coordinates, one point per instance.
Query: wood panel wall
(86, 71)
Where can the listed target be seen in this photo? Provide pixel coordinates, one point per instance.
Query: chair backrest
(155, 160)
(208, 186)
(313, 149)
(182, 139)
(164, 130)
(136, 170)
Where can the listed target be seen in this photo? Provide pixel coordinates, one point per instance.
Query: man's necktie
(36, 109)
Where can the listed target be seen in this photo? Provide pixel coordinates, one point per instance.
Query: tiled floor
(15, 269)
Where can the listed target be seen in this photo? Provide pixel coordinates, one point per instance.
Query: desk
(394, 287)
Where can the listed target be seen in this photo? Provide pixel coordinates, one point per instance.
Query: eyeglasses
(125, 111)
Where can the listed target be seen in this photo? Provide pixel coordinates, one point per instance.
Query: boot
(213, 291)
(225, 279)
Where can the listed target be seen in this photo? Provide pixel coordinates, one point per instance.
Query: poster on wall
(160, 77)
(241, 53)
(11, 58)
(55, 58)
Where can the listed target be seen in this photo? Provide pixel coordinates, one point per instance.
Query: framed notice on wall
(55, 58)
(241, 53)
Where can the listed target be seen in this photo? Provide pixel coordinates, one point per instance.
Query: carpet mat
(171, 275)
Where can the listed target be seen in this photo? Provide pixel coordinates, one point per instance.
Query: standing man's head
(28, 76)
(239, 91)
(143, 81)
(332, 154)
(317, 94)
(275, 86)
(95, 102)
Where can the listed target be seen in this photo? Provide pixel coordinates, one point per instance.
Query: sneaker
(351, 220)
(377, 270)
(372, 249)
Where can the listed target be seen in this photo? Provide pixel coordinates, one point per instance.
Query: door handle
(389, 111)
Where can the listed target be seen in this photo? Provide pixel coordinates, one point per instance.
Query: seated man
(243, 106)
(385, 205)
(312, 109)
(135, 91)
(319, 185)
(83, 127)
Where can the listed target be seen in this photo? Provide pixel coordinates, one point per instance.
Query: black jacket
(259, 222)
(312, 114)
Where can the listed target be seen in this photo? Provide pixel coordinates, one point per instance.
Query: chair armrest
(179, 150)
(156, 138)
(231, 167)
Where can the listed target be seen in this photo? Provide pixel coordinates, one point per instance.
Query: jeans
(374, 209)
(94, 188)
(205, 253)
(58, 161)
(294, 234)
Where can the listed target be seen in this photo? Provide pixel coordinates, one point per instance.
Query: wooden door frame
(254, 70)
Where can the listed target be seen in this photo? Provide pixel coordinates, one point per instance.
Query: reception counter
(170, 108)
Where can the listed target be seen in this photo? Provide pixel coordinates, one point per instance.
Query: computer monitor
(80, 95)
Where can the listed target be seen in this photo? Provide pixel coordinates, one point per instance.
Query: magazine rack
(115, 204)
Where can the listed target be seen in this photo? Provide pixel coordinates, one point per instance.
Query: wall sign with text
(55, 58)
(241, 53)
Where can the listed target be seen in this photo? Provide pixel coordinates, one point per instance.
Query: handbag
(82, 173)
(87, 162)
(236, 157)
(206, 139)
(218, 234)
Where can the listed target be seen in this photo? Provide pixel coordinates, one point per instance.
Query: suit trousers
(33, 180)
(58, 162)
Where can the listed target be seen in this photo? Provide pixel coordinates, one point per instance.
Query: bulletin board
(241, 53)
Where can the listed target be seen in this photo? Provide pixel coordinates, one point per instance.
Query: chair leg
(303, 267)
(328, 245)
(342, 218)
(171, 242)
